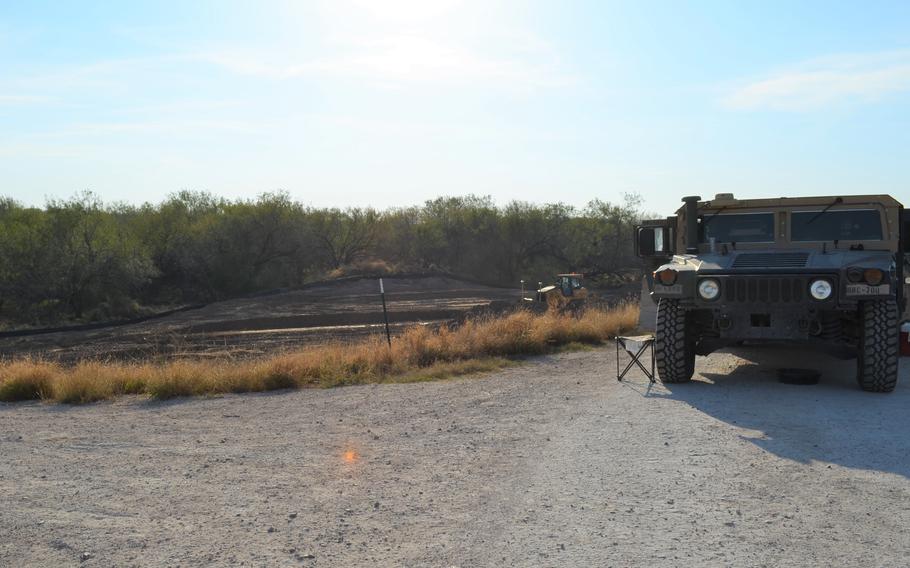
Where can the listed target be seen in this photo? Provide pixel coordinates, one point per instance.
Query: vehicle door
(904, 257)
(655, 243)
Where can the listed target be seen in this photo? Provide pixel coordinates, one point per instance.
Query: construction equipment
(567, 293)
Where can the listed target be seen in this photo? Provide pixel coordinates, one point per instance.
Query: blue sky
(392, 103)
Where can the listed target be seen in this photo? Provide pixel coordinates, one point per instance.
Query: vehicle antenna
(837, 201)
(713, 215)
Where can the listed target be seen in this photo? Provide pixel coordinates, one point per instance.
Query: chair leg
(653, 374)
(618, 376)
(636, 361)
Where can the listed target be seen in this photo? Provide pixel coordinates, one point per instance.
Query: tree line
(85, 260)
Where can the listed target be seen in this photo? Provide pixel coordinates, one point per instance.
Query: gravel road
(551, 463)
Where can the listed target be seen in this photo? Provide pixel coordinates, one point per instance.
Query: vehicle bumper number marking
(674, 289)
(866, 290)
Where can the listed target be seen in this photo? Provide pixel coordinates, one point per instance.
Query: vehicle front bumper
(738, 292)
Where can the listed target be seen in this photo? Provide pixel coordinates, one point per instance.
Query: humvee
(826, 272)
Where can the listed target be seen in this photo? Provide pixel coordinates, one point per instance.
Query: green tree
(343, 236)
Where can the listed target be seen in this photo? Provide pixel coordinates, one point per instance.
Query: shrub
(27, 380)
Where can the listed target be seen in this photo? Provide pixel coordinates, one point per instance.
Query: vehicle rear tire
(879, 345)
(674, 354)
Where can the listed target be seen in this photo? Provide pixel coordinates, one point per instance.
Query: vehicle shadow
(833, 421)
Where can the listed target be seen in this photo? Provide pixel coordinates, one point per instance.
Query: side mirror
(653, 241)
(647, 240)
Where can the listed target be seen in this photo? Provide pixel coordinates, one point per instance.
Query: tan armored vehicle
(827, 272)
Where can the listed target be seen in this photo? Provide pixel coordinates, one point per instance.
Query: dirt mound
(336, 310)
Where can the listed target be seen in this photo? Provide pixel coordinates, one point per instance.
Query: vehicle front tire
(879, 346)
(674, 354)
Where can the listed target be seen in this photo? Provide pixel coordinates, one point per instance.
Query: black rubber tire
(674, 354)
(879, 346)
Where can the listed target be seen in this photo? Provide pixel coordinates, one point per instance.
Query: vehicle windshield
(855, 225)
(737, 228)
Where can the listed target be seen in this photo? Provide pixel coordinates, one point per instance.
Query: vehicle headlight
(666, 276)
(873, 276)
(709, 289)
(821, 289)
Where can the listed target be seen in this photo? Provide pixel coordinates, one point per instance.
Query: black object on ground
(798, 376)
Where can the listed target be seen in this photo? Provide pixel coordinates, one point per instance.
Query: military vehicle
(826, 272)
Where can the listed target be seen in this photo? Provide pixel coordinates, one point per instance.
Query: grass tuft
(27, 380)
(419, 354)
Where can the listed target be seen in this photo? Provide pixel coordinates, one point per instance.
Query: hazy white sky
(394, 102)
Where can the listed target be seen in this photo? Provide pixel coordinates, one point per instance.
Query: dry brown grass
(418, 354)
(27, 380)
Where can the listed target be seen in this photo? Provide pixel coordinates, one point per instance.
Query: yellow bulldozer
(568, 293)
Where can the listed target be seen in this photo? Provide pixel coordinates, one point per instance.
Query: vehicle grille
(752, 289)
(772, 260)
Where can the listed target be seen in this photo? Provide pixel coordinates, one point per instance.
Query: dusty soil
(552, 463)
(342, 310)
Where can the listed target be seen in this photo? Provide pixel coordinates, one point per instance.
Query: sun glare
(406, 11)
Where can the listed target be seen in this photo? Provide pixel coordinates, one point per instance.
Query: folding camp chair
(635, 346)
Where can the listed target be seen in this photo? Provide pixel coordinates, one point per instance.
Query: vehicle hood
(782, 261)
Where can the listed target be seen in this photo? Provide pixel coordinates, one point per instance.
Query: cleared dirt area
(552, 463)
(340, 310)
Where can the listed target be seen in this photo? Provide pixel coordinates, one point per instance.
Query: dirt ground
(552, 463)
(248, 327)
